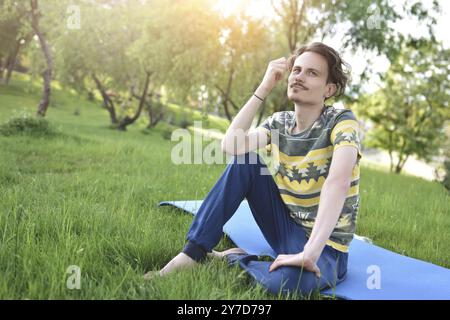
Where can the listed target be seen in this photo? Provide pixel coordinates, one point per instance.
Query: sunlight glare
(254, 8)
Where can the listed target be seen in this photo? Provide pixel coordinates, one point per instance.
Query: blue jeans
(241, 179)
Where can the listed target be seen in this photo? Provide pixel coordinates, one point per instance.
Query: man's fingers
(273, 266)
(281, 62)
(278, 67)
(279, 73)
(317, 271)
(278, 262)
(281, 66)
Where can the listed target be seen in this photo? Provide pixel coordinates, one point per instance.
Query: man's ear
(331, 90)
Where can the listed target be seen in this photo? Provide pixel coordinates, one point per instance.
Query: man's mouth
(298, 85)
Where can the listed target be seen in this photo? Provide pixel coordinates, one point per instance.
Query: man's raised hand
(274, 73)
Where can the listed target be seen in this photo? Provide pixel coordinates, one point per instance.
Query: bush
(184, 123)
(166, 130)
(27, 124)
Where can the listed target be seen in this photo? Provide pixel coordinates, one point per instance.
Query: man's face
(307, 82)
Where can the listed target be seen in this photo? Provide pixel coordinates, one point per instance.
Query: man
(307, 210)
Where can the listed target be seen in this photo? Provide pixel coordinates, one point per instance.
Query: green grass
(88, 197)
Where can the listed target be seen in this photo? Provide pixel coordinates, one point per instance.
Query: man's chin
(297, 98)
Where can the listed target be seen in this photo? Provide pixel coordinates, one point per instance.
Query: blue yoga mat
(373, 273)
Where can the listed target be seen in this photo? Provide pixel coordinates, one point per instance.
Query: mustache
(298, 84)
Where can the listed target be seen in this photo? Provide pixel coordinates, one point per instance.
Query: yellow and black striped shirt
(300, 164)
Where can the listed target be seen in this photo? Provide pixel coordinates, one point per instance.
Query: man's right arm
(238, 138)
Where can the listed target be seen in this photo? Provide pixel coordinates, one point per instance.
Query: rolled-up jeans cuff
(195, 251)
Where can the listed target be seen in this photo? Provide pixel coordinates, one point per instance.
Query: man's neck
(305, 116)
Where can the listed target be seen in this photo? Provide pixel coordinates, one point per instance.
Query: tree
(366, 26)
(15, 34)
(21, 20)
(410, 111)
(180, 44)
(244, 54)
(47, 75)
(127, 120)
(97, 55)
(136, 49)
(296, 27)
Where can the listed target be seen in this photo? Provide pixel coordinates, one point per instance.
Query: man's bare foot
(223, 254)
(151, 274)
(179, 262)
(183, 261)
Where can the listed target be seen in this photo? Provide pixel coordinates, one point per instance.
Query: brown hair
(336, 73)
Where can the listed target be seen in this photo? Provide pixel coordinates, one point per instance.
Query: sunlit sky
(263, 8)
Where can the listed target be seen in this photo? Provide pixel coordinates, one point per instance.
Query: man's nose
(300, 77)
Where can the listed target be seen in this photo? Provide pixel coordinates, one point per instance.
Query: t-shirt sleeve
(345, 132)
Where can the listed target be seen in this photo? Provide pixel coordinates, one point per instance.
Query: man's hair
(338, 69)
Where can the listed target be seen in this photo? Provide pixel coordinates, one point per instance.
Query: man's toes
(215, 254)
(222, 254)
(151, 275)
(233, 251)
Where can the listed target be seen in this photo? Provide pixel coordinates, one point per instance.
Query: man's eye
(312, 73)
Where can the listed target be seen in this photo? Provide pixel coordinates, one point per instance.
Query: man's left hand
(295, 260)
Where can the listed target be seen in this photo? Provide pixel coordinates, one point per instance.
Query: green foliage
(187, 44)
(446, 181)
(410, 111)
(166, 130)
(13, 24)
(185, 122)
(28, 125)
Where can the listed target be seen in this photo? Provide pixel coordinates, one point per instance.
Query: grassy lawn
(88, 197)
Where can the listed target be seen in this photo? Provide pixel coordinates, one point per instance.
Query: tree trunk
(227, 93)
(226, 96)
(153, 118)
(292, 16)
(11, 62)
(225, 107)
(126, 121)
(391, 167)
(1, 68)
(108, 103)
(401, 163)
(45, 101)
(398, 168)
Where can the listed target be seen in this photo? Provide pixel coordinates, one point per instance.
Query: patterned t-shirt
(301, 162)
